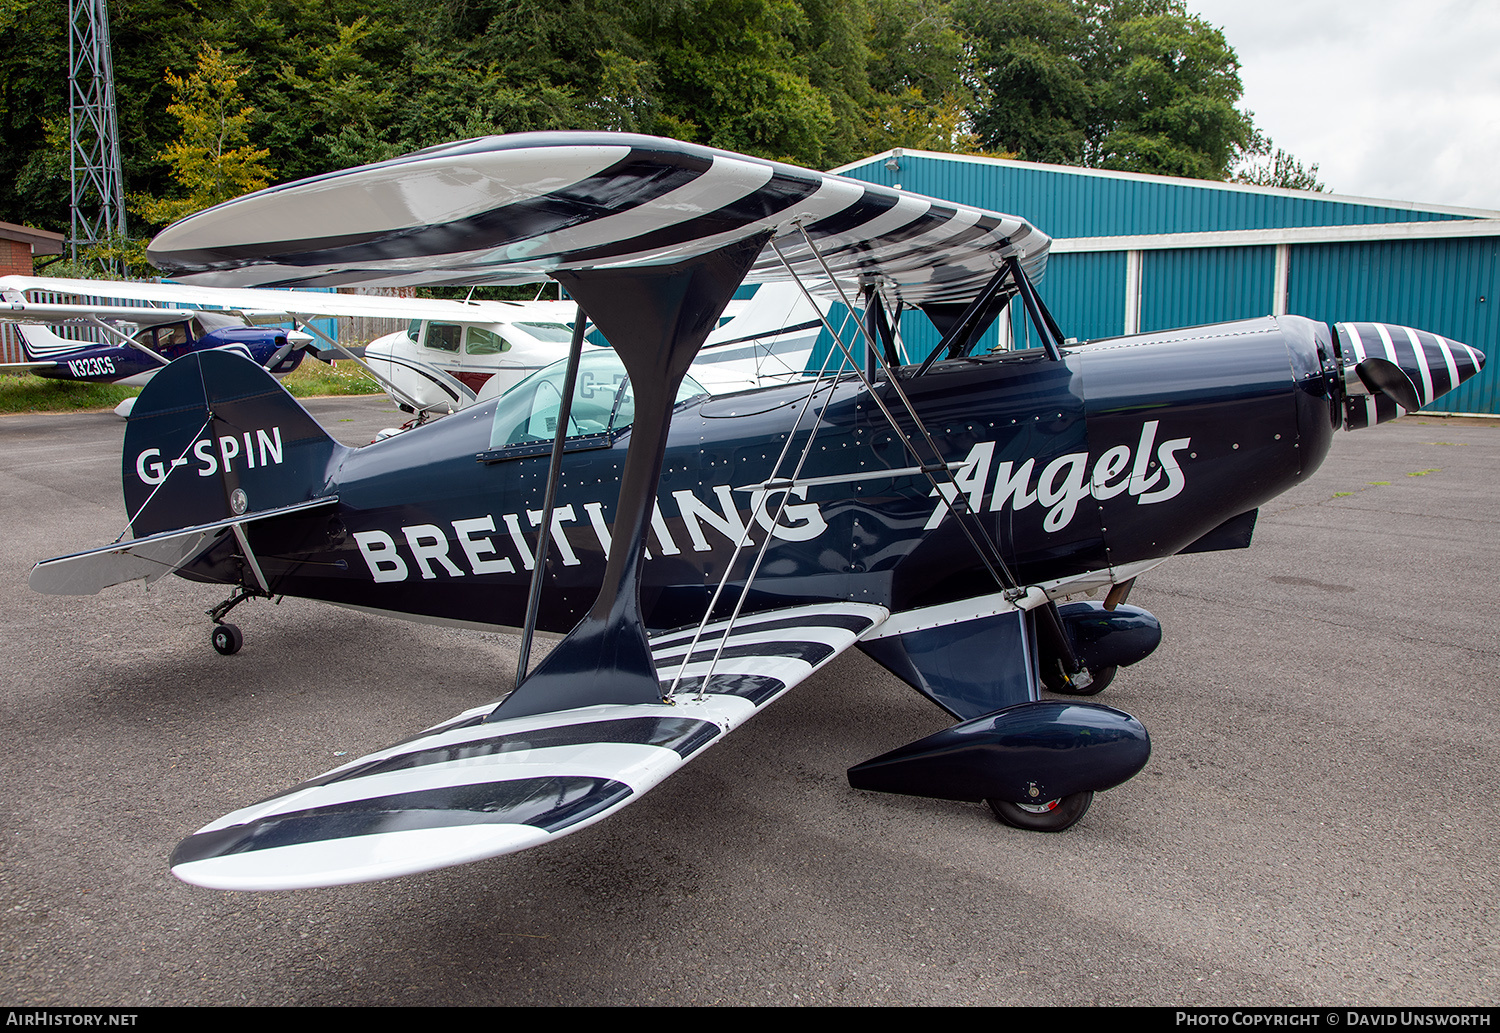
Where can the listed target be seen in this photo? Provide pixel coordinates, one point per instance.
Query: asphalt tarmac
(1317, 825)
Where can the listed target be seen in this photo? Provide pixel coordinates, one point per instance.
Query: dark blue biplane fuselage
(1122, 453)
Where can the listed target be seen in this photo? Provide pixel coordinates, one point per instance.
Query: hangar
(1134, 253)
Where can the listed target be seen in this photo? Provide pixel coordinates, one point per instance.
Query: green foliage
(212, 160)
(1263, 164)
(312, 379)
(1135, 85)
(911, 121)
(326, 84)
(22, 392)
(1167, 99)
(1039, 100)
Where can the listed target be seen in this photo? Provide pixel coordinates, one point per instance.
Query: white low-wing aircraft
(451, 354)
(761, 340)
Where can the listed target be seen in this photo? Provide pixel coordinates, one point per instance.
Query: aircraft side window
(444, 336)
(624, 407)
(545, 403)
(414, 331)
(171, 336)
(480, 341)
(526, 415)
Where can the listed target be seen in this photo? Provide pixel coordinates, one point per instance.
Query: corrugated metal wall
(1448, 286)
(1079, 204)
(1086, 293)
(1193, 286)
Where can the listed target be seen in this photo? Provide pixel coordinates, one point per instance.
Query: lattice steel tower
(97, 188)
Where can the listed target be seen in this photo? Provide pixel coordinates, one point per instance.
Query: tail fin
(40, 344)
(213, 436)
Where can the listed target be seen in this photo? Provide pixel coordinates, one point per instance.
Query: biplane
(701, 555)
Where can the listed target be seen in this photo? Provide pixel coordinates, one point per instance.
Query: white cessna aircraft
(451, 354)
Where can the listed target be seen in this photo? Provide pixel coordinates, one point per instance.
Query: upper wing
(468, 789)
(516, 209)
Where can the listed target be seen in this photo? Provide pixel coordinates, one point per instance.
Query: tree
(212, 160)
(1037, 98)
(1135, 85)
(1169, 83)
(1263, 164)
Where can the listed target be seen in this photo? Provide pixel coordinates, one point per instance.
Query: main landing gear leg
(227, 638)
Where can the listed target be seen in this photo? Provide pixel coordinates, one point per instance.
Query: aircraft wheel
(1052, 816)
(227, 639)
(1052, 678)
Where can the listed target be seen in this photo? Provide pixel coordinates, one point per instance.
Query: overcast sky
(1395, 99)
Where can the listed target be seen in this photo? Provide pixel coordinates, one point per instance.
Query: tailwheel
(1052, 816)
(1097, 681)
(227, 639)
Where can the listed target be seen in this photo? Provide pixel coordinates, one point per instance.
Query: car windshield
(602, 401)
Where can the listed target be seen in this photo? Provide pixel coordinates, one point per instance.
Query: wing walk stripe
(935, 218)
(812, 653)
(856, 623)
(757, 688)
(549, 803)
(684, 736)
(465, 789)
(854, 217)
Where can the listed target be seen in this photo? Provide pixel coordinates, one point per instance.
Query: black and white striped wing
(469, 789)
(514, 209)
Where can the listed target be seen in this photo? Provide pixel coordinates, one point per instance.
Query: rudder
(214, 436)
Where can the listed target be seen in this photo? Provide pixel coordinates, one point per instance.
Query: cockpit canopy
(603, 403)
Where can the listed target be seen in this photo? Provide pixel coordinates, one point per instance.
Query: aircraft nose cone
(1390, 370)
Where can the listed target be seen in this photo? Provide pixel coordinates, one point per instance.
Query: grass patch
(313, 378)
(1423, 473)
(24, 392)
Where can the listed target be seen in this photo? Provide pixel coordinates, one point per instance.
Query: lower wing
(469, 788)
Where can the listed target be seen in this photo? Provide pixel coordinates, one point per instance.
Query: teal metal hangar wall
(1134, 253)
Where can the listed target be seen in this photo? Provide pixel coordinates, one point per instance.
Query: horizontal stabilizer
(467, 789)
(85, 573)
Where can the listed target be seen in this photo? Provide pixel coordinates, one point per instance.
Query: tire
(226, 639)
(1052, 678)
(1053, 816)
